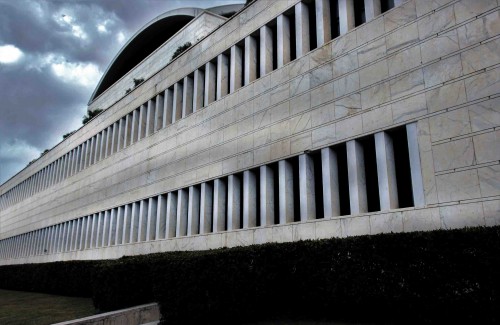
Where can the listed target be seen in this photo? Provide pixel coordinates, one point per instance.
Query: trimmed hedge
(72, 278)
(430, 277)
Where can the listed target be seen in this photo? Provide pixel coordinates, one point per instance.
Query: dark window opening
(274, 167)
(359, 13)
(386, 5)
(345, 206)
(318, 185)
(402, 163)
(334, 18)
(370, 158)
(312, 25)
(296, 188)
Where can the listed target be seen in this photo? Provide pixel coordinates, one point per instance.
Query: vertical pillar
(249, 199)
(219, 212)
(233, 202)
(142, 122)
(285, 169)
(372, 9)
(119, 225)
(81, 164)
(206, 203)
(331, 199)
(127, 223)
(83, 233)
(161, 217)
(236, 67)
(250, 73)
(193, 211)
(135, 126)
(302, 29)
(187, 96)
(77, 160)
(97, 148)
(346, 15)
(266, 50)
(93, 231)
(143, 220)
(112, 228)
(306, 188)
(323, 22)
(168, 104)
(114, 141)
(177, 102)
(93, 152)
(105, 228)
(171, 214)
(198, 89)
(182, 213)
(210, 81)
(266, 196)
(150, 118)
(121, 134)
(76, 241)
(151, 222)
(415, 168)
(386, 171)
(283, 40)
(357, 179)
(127, 137)
(222, 76)
(158, 112)
(134, 222)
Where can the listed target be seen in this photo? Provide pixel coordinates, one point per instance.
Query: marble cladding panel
(462, 215)
(443, 71)
(446, 96)
(453, 154)
(485, 115)
(436, 22)
(450, 124)
(481, 57)
(402, 37)
(400, 16)
(455, 186)
(487, 147)
(491, 212)
(479, 29)
(489, 180)
(371, 30)
(427, 161)
(405, 60)
(467, 9)
(439, 46)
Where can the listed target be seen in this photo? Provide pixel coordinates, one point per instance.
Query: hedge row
(431, 277)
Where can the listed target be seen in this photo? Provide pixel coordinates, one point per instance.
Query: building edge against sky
(291, 120)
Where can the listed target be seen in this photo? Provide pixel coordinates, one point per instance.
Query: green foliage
(180, 50)
(61, 278)
(68, 134)
(90, 115)
(138, 81)
(127, 91)
(421, 277)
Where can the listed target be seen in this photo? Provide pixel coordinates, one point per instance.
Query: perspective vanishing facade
(293, 119)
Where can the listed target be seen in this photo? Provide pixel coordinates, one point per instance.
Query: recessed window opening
(258, 203)
(402, 163)
(296, 188)
(274, 167)
(274, 27)
(372, 193)
(386, 5)
(293, 44)
(312, 25)
(359, 13)
(318, 184)
(256, 36)
(345, 207)
(334, 18)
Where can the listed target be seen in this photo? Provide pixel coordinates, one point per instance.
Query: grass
(28, 308)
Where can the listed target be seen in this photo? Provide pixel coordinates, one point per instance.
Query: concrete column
(171, 214)
(210, 83)
(119, 225)
(77, 160)
(330, 178)
(103, 144)
(415, 167)
(121, 134)
(150, 118)
(83, 233)
(92, 155)
(346, 15)
(386, 172)
(266, 50)
(219, 212)
(93, 230)
(106, 228)
(187, 96)
(177, 102)
(323, 22)
(159, 112)
(233, 202)
(112, 228)
(182, 213)
(198, 89)
(306, 188)
(82, 157)
(250, 73)
(142, 122)
(372, 9)
(249, 199)
(302, 29)
(143, 220)
(168, 106)
(97, 148)
(109, 140)
(134, 222)
(151, 221)
(206, 208)
(283, 40)
(88, 155)
(114, 141)
(357, 179)
(236, 69)
(76, 241)
(70, 165)
(286, 210)
(161, 217)
(193, 211)
(266, 196)
(222, 76)
(135, 126)
(63, 237)
(127, 223)
(127, 137)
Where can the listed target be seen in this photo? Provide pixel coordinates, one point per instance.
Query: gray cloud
(44, 94)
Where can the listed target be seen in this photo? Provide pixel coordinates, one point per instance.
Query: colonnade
(240, 65)
(296, 189)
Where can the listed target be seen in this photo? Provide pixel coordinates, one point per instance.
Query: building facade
(291, 120)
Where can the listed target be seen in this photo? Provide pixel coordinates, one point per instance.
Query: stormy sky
(52, 55)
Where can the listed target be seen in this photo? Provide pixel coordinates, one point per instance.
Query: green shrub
(180, 50)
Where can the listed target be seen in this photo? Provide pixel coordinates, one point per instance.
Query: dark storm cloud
(65, 45)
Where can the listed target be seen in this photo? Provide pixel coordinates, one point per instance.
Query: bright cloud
(120, 37)
(18, 148)
(68, 21)
(10, 54)
(84, 74)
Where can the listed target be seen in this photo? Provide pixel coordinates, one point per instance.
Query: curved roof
(149, 38)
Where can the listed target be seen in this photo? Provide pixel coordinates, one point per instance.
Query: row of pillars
(242, 64)
(238, 201)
